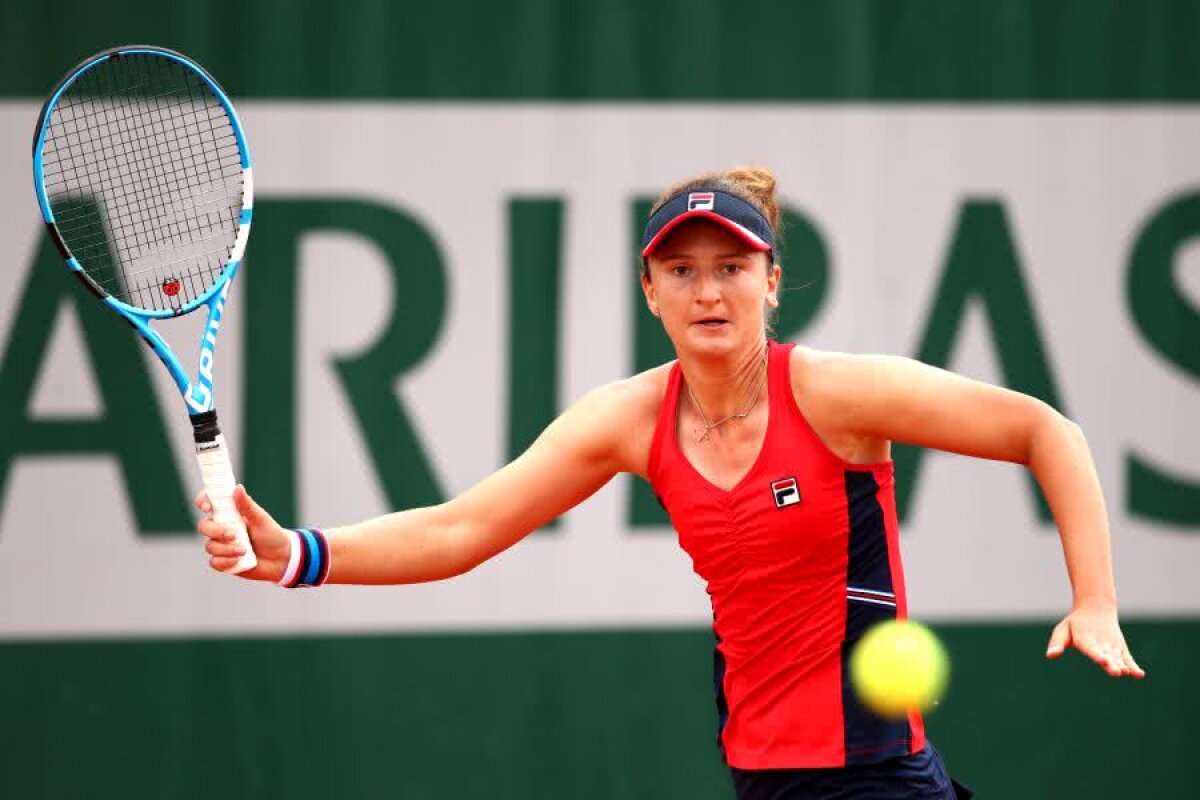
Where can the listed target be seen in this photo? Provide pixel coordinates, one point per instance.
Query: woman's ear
(774, 276)
(648, 291)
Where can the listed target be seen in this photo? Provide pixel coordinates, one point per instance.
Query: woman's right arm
(576, 455)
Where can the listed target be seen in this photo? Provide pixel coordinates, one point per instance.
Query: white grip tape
(217, 473)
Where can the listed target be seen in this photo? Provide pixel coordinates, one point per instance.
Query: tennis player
(773, 461)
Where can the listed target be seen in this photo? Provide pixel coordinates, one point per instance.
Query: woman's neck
(726, 386)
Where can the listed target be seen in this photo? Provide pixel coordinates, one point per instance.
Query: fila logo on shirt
(786, 492)
(701, 201)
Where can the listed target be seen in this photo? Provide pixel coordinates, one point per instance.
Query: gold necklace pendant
(709, 426)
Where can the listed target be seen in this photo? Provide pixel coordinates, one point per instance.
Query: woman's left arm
(898, 399)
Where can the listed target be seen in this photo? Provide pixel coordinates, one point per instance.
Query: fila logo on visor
(701, 201)
(786, 492)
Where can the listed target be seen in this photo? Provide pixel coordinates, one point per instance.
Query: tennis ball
(897, 666)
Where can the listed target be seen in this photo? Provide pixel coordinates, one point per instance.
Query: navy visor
(728, 210)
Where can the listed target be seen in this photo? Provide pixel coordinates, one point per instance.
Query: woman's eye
(680, 270)
(730, 269)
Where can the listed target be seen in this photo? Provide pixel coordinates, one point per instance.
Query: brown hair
(755, 185)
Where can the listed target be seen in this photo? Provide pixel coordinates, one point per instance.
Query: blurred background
(449, 197)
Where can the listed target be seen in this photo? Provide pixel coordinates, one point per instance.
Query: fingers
(1104, 655)
(216, 533)
(1060, 640)
(224, 549)
(210, 529)
(1096, 634)
(223, 563)
(246, 506)
(1128, 665)
(1113, 657)
(242, 500)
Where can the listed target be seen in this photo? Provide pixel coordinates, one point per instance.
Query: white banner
(884, 186)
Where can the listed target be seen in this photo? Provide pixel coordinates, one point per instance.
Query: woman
(774, 464)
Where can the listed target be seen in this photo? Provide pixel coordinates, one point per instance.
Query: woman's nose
(708, 290)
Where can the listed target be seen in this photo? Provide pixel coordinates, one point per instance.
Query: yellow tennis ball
(899, 665)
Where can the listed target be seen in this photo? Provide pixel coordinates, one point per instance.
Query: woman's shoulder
(652, 381)
(831, 371)
(809, 366)
(827, 383)
(626, 411)
(829, 389)
(642, 392)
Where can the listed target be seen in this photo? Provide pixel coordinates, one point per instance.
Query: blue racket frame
(197, 393)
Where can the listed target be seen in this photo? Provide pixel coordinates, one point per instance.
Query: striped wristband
(309, 562)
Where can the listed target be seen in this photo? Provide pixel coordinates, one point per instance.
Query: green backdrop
(583, 714)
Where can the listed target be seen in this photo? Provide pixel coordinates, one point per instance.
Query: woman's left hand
(1095, 632)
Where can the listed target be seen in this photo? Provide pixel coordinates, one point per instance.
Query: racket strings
(136, 171)
(143, 161)
(144, 116)
(181, 230)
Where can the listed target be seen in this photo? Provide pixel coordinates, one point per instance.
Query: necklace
(710, 426)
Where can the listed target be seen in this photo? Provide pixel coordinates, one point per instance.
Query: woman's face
(710, 289)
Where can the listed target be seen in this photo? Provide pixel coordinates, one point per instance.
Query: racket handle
(216, 470)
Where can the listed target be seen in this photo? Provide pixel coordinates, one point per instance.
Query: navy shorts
(921, 776)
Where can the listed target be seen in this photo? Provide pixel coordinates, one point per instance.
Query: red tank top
(800, 558)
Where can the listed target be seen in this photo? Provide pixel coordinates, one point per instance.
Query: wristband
(293, 565)
(309, 562)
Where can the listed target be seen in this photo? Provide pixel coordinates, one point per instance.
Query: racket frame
(198, 393)
(211, 452)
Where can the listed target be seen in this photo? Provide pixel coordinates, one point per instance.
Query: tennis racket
(143, 179)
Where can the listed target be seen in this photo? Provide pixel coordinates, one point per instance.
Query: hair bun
(759, 183)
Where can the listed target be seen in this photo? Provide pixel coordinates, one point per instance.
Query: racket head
(143, 178)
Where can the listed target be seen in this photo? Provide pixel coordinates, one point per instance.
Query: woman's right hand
(272, 546)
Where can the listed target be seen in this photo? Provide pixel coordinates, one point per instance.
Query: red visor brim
(746, 236)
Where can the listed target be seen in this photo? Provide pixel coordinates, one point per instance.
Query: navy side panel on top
(869, 599)
(719, 690)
